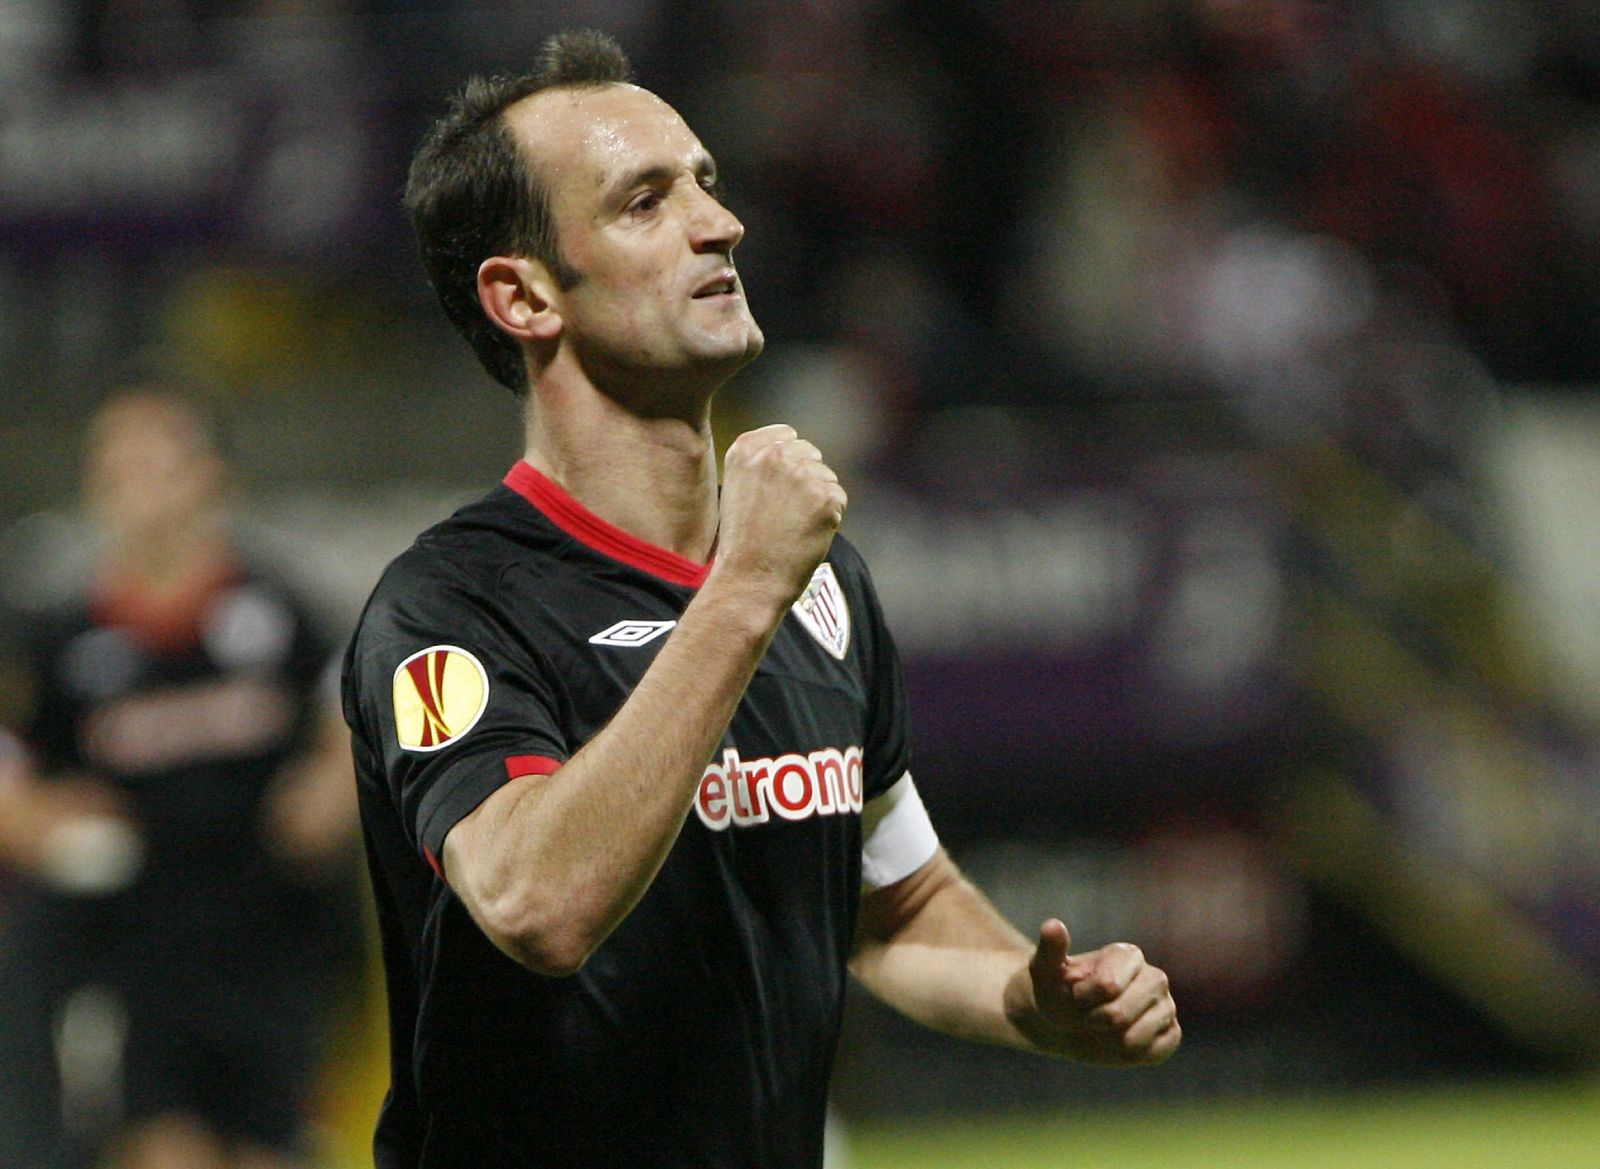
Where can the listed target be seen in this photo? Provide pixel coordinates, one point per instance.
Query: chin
(754, 339)
(754, 342)
(737, 352)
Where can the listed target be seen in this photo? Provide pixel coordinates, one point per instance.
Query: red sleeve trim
(518, 766)
(603, 536)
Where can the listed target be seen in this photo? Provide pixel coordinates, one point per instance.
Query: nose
(713, 227)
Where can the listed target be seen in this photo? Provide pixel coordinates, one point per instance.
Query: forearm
(958, 992)
(65, 829)
(942, 955)
(550, 865)
(934, 947)
(19, 832)
(558, 861)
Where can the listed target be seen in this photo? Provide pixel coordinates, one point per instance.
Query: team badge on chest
(439, 695)
(821, 609)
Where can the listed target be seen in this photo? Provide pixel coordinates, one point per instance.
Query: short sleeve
(449, 703)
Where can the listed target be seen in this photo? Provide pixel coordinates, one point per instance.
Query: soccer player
(181, 824)
(632, 751)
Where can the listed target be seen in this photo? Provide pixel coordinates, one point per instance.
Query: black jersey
(189, 712)
(702, 1031)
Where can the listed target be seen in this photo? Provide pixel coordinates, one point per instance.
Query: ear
(519, 295)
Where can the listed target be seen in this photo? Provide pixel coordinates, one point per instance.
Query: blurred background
(1215, 382)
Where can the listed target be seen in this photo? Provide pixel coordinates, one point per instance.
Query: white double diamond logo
(631, 633)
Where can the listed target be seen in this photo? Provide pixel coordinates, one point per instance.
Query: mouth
(725, 283)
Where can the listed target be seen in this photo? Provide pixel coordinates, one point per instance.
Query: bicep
(936, 907)
(479, 857)
(932, 947)
(473, 846)
(889, 911)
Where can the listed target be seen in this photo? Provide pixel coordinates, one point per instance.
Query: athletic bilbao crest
(822, 611)
(439, 694)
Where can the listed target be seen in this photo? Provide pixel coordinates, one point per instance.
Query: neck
(170, 560)
(654, 477)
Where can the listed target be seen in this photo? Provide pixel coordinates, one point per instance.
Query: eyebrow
(649, 175)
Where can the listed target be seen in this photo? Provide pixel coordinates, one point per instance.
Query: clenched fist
(780, 506)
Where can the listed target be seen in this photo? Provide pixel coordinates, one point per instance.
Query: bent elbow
(553, 958)
(542, 940)
(551, 964)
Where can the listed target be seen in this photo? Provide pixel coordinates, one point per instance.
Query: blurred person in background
(176, 825)
(600, 949)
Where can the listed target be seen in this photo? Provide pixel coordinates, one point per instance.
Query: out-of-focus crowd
(1327, 238)
(949, 204)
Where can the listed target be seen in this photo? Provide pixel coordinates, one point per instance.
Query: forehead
(140, 423)
(579, 137)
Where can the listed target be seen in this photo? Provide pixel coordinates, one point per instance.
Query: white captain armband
(897, 838)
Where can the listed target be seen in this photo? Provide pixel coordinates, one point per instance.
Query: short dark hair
(471, 194)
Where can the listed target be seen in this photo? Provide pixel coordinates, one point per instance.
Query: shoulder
(264, 621)
(862, 597)
(263, 583)
(463, 556)
(850, 566)
(848, 562)
(453, 586)
(34, 650)
(38, 640)
(39, 626)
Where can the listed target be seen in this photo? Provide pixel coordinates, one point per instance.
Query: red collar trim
(584, 526)
(169, 621)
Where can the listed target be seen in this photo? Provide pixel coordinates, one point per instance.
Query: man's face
(657, 299)
(150, 473)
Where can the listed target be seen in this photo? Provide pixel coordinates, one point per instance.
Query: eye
(645, 203)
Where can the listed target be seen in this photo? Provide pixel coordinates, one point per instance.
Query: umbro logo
(631, 633)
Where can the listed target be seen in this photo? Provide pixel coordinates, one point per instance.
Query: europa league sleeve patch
(439, 695)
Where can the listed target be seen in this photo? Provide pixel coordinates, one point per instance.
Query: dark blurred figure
(1323, 123)
(177, 821)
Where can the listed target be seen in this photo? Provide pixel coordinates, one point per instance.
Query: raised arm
(933, 947)
(550, 865)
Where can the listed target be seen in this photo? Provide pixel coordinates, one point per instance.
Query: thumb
(1050, 955)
